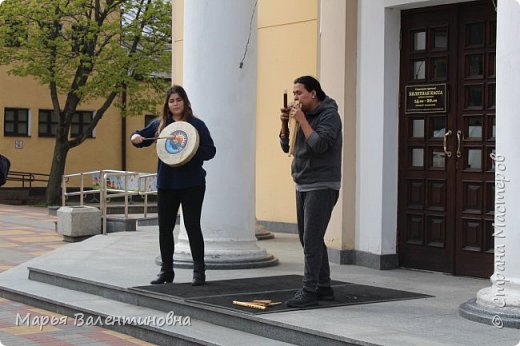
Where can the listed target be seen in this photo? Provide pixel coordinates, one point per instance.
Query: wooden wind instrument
(250, 305)
(294, 126)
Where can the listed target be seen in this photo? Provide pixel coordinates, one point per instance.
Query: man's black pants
(313, 211)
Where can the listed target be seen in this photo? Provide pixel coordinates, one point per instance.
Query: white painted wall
(390, 130)
(505, 291)
(337, 73)
(378, 121)
(507, 140)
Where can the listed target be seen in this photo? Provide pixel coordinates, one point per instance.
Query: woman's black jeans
(168, 202)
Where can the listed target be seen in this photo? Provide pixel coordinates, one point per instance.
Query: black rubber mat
(229, 287)
(275, 288)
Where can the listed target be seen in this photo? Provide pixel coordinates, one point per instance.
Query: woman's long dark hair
(188, 112)
(310, 84)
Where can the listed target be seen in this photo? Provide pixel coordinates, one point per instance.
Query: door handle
(459, 136)
(448, 153)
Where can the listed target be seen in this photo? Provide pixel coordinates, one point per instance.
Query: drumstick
(262, 301)
(266, 302)
(158, 137)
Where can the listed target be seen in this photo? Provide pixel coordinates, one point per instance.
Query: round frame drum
(177, 143)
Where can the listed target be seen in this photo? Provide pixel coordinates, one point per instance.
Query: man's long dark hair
(310, 84)
(188, 112)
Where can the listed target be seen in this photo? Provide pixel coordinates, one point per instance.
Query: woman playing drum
(179, 185)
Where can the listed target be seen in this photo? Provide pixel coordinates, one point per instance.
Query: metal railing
(103, 185)
(27, 178)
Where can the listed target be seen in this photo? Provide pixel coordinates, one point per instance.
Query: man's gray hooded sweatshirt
(317, 159)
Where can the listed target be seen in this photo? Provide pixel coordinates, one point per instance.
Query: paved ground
(25, 233)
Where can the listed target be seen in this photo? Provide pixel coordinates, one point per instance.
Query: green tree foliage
(85, 50)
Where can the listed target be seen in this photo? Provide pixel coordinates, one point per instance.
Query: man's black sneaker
(326, 293)
(303, 299)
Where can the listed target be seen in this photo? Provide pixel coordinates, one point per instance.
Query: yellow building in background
(292, 25)
(33, 152)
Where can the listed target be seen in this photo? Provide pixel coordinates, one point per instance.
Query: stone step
(246, 323)
(135, 208)
(120, 223)
(77, 223)
(151, 325)
(13, 201)
(14, 196)
(22, 196)
(22, 192)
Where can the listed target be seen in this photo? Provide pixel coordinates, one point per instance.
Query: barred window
(16, 122)
(47, 123)
(80, 121)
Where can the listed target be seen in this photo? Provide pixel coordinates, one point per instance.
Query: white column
(377, 118)
(500, 303)
(219, 75)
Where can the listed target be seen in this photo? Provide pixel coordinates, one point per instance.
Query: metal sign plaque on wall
(426, 98)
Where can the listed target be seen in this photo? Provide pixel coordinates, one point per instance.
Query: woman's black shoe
(199, 279)
(164, 277)
(199, 274)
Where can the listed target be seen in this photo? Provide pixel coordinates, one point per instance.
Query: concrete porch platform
(93, 277)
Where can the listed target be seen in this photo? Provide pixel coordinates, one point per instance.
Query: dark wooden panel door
(476, 140)
(445, 207)
(426, 212)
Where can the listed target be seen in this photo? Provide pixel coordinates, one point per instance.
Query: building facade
(416, 85)
(425, 124)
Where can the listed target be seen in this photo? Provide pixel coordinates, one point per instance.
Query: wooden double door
(447, 138)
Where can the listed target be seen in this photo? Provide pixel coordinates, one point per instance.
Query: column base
(261, 233)
(212, 263)
(223, 252)
(223, 255)
(220, 263)
(495, 316)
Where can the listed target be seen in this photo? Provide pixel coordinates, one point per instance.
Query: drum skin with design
(177, 143)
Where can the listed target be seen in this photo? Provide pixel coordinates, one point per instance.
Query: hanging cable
(249, 37)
